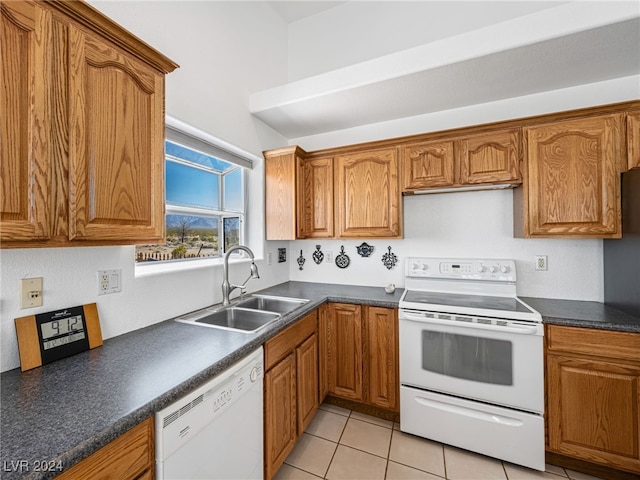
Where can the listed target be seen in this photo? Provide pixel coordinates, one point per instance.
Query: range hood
(467, 188)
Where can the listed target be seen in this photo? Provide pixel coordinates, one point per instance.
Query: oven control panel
(452, 268)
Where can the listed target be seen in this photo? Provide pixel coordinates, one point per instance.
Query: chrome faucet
(227, 288)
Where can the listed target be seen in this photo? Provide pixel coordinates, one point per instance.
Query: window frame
(191, 138)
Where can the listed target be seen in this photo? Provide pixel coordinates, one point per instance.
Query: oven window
(479, 359)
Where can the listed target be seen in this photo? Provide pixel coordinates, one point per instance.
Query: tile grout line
(337, 445)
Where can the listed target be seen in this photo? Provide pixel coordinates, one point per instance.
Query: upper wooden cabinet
(633, 139)
(86, 163)
(25, 170)
(324, 196)
(316, 220)
(572, 184)
(427, 165)
(485, 158)
(284, 195)
(490, 158)
(368, 201)
(593, 380)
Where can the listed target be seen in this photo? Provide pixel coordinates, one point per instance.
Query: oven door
(490, 360)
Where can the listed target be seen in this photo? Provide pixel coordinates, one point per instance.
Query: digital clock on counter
(51, 336)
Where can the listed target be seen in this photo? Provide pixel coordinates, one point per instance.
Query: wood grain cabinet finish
(344, 359)
(572, 187)
(381, 325)
(490, 158)
(25, 173)
(280, 414)
(427, 165)
(116, 143)
(128, 457)
(593, 389)
(290, 389)
(633, 139)
(359, 351)
(83, 139)
(317, 213)
(283, 198)
(367, 190)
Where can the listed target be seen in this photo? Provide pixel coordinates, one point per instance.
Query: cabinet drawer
(600, 343)
(126, 457)
(279, 346)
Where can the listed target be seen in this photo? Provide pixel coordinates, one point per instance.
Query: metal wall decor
(282, 255)
(318, 256)
(342, 259)
(364, 249)
(301, 260)
(389, 259)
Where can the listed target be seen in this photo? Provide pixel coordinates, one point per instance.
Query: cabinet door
(344, 351)
(25, 159)
(116, 143)
(317, 199)
(382, 359)
(428, 165)
(573, 184)
(633, 139)
(490, 157)
(593, 411)
(307, 381)
(130, 456)
(367, 194)
(279, 413)
(281, 194)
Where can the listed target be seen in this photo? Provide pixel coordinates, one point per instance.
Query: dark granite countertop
(583, 314)
(64, 411)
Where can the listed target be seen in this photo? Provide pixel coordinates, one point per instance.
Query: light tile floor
(340, 444)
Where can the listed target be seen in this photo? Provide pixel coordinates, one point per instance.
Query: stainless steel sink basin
(282, 305)
(246, 315)
(231, 318)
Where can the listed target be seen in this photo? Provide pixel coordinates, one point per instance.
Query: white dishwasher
(215, 432)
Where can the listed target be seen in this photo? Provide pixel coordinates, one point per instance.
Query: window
(204, 196)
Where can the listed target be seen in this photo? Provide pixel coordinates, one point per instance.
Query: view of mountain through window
(204, 207)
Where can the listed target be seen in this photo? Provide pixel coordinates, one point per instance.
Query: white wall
(225, 50)
(354, 32)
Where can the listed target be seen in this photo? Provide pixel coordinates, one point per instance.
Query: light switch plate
(31, 292)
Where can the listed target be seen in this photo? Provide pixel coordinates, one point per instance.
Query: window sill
(152, 268)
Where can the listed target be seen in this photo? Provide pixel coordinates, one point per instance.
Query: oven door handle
(522, 330)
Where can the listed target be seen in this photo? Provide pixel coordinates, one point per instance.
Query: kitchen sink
(247, 315)
(282, 305)
(231, 318)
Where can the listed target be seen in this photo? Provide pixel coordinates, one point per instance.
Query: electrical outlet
(269, 258)
(109, 281)
(328, 257)
(31, 292)
(541, 263)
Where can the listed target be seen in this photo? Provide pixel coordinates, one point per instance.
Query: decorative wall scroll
(301, 260)
(364, 249)
(318, 256)
(342, 259)
(389, 259)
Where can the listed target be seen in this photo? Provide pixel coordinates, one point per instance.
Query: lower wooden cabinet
(360, 354)
(593, 389)
(128, 457)
(290, 389)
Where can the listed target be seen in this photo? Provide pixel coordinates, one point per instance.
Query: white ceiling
(291, 11)
(554, 49)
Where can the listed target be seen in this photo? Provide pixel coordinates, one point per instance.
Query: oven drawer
(498, 432)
